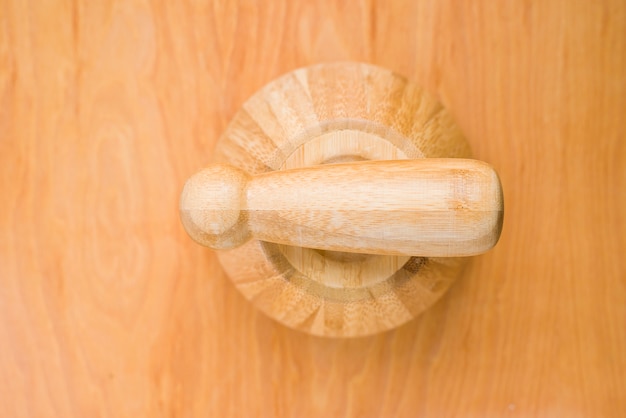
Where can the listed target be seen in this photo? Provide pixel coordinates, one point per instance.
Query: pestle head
(211, 207)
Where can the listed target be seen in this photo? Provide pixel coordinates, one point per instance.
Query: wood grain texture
(108, 309)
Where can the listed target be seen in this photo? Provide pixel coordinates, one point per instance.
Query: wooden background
(108, 309)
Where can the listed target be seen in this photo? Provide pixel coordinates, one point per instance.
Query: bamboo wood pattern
(323, 115)
(108, 309)
(429, 207)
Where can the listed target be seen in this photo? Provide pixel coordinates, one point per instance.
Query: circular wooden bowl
(324, 114)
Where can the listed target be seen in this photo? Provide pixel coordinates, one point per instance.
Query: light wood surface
(108, 309)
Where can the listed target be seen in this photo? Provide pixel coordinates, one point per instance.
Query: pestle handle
(427, 207)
